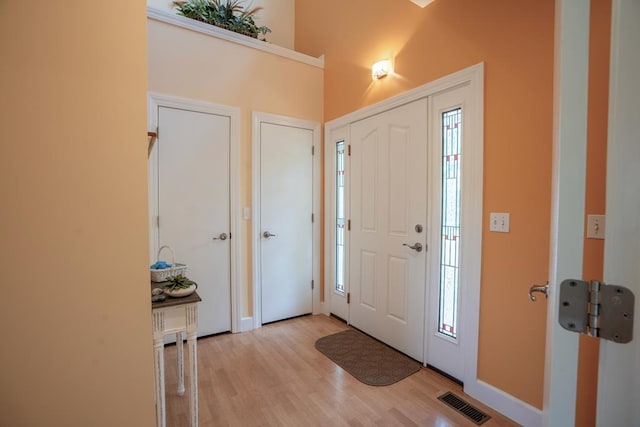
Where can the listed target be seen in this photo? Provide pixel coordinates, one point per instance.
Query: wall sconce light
(381, 69)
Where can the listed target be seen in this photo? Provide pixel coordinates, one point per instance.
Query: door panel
(193, 198)
(286, 204)
(368, 182)
(398, 181)
(388, 188)
(398, 288)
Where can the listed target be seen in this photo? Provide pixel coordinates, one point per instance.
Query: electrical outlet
(595, 226)
(499, 222)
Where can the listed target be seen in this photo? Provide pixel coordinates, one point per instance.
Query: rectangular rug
(367, 359)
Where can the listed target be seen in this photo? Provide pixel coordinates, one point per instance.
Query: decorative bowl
(179, 293)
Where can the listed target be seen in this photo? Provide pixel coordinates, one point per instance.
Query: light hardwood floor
(274, 376)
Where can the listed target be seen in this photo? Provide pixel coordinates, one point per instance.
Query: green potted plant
(179, 286)
(228, 14)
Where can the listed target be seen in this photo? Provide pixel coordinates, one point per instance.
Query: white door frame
(619, 366)
(570, 93)
(335, 130)
(258, 118)
(154, 102)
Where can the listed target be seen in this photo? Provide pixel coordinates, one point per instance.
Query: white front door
(388, 226)
(285, 222)
(619, 364)
(193, 206)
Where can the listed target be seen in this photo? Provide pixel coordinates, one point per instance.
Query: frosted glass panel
(450, 228)
(340, 256)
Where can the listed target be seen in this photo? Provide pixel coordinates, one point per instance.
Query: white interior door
(193, 206)
(619, 365)
(286, 227)
(388, 203)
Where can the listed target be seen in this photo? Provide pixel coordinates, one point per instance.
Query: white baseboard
(519, 411)
(246, 324)
(323, 309)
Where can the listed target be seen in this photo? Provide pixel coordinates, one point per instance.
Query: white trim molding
(155, 100)
(257, 119)
(509, 406)
(230, 36)
(246, 324)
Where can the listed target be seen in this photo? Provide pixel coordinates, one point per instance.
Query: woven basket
(161, 275)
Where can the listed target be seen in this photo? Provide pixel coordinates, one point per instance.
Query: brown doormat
(367, 359)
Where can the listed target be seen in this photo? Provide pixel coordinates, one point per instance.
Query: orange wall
(600, 34)
(75, 307)
(515, 40)
(196, 66)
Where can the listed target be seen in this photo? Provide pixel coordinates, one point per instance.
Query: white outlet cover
(499, 222)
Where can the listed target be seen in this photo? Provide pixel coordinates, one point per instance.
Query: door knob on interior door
(416, 246)
(222, 236)
(266, 235)
(543, 289)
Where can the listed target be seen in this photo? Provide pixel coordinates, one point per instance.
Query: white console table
(176, 316)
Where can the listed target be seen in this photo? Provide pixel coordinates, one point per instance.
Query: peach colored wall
(75, 304)
(515, 40)
(600, 35)
(278, 15)
(192, 65)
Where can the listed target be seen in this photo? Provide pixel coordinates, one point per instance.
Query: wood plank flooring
(274, 376)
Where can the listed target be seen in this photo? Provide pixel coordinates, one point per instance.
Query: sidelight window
(340, 214)
(450, 222)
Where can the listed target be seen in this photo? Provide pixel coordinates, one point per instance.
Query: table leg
(179, 347)
(192, 334)
(158, 346)
(158, 359)
(193, 378)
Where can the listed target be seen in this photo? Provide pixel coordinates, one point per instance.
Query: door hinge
(158, 221)
(348, 225)
(312, 217)
(313, 150)
(312, 285)
(348, 297)
(349, 150)
(596, 309)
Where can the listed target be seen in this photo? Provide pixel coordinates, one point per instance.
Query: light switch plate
(499, 222)
(595, 226)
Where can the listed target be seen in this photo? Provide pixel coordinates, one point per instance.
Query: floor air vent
(469, 411)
